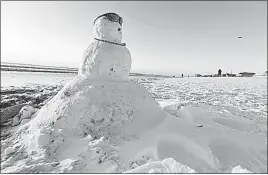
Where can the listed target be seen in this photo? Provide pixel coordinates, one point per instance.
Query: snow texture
(239, 169)
(168, 165)
(24, 115)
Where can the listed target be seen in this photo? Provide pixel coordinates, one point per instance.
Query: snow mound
(168, 165)
(90, 108)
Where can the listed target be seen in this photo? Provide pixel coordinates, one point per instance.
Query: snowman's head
(108, 27)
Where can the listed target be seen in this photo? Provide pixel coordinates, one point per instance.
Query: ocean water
(10, 78)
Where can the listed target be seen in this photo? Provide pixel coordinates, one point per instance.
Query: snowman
(100, 102)
(107, 58)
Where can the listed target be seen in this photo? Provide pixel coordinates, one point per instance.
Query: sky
(164, 37)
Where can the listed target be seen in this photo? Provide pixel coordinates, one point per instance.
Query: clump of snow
(27, 111)
(168, 165)
(239, 169)
(9, 150)
(16, 121)
(24, 115)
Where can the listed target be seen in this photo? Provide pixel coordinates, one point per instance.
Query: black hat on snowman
(113, 17)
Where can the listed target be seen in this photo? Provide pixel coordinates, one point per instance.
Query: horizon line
(61, 67)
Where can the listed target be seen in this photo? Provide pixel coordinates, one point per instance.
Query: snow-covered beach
(237, 105)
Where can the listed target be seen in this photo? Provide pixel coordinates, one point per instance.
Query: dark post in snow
(219, 73)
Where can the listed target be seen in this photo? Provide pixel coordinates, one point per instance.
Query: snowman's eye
(119, 29)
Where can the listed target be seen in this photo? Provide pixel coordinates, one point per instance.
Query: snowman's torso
(106, 61)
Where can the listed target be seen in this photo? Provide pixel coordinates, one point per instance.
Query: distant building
(230, 75)
(198, 75)
(247, 74)
(207, 76)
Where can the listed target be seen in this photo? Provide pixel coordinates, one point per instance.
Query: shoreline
(41, 71)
